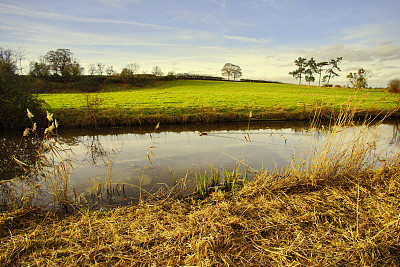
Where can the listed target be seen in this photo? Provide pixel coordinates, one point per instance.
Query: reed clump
(230, 181)
(334, 206)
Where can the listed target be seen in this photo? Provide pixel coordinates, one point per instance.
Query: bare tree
(157, 71)
(110, 70)
(100, 68)
(92, 69)
(134, 67)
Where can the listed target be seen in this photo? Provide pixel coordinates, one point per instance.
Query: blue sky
(263, 37)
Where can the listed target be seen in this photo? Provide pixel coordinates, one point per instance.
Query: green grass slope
(180, 100)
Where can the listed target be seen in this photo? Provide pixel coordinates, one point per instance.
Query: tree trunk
(319, 82)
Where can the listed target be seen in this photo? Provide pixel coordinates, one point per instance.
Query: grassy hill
(183, 101)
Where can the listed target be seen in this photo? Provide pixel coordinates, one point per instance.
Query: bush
(394, 86)
(15, 93)
(15, 98)
(91, 83)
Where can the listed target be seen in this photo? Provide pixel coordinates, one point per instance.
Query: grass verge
(188, 101)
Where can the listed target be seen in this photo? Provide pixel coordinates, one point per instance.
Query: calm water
(151, 159)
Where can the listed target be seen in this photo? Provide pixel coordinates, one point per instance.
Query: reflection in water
(16, 154)
(123, 160)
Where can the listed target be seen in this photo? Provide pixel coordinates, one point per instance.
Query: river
(143, 159)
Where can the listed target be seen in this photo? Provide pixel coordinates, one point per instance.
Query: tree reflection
(395, 135)
(95, 150)
(17, 156)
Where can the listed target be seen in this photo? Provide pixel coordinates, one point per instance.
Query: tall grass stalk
(50, 172)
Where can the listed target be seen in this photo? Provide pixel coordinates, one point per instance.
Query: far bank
(193, 101)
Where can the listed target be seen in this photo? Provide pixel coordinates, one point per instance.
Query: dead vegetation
(348, 221)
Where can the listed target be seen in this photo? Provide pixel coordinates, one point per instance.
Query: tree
(300, 62)
(75, 69)
(394, 86)
(237, 72)
(92, 69)
(330, 72)
(8, 61)
(157, 71)
(110, 70)
(59, 60)
(100, 68)
(231, 70)
(126, 75)
(311, 68)
(15, 96)
(227, 70)
(359, 79)
(133, 67)
(320, 66)
(39, 69)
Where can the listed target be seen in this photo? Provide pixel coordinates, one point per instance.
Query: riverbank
(332, 205)
(281, 219)
(191, 101)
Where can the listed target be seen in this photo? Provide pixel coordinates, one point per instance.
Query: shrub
(15, 93)
(394, 86)
(91, 83)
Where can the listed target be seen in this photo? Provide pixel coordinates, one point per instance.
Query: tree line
(62, 62)
(308, 67)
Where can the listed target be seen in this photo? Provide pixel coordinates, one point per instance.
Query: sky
(263, 37)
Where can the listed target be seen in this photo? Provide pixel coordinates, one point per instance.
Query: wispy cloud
(248, 39)
(19, 11)
(118, 2)
(383, 52)
(371, 31)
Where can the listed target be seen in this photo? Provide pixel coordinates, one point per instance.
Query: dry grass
(349, 222)
(329, 207)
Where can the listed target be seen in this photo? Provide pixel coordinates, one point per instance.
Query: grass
(335, 205)
(213, 183)
(208, 101)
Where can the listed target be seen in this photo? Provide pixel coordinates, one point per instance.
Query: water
(142, 157)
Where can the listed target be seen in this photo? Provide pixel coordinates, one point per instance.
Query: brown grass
(353, 221)
(329, 207)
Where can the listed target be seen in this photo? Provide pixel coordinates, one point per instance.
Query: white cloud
(248, 39)
(385, 51)
(19, 11)
(115, 3)
(371, 33)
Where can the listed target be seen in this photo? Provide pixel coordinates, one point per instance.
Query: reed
(49, 172)
(230, 181)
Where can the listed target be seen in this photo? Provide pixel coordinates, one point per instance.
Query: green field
(174, 99)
